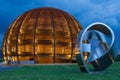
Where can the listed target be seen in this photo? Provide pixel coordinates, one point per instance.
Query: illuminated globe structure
(42, 35)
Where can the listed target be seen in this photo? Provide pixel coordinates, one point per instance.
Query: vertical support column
(54, 39)
(71, 35)
(34, 44)
(6, 36)
(22, 20)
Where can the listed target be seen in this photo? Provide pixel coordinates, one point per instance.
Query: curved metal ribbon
(96, 48)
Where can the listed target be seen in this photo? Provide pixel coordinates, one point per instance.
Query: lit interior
(43, 35)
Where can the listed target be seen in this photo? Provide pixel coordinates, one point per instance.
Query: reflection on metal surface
(95, 45)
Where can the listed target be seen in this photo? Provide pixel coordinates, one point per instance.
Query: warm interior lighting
(68, 56)
(19, 41)
(8, 41)
(45, 35)
(19, 52)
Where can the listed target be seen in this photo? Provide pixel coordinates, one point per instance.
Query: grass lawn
(59, 72)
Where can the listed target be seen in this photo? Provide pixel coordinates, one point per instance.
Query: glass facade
(42, 35)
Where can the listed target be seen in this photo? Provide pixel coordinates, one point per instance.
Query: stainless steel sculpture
(96, 48)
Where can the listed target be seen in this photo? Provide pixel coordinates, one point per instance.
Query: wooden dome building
(42, 35)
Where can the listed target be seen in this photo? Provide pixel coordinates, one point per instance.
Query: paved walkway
(4, 67)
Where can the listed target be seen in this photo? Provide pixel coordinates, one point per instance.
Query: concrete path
(4, 67)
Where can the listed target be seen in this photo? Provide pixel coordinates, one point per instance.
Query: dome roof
(42, 35)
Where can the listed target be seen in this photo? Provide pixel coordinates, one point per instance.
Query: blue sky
(85, 11)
